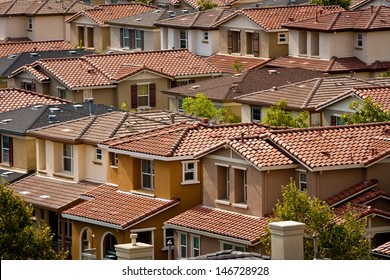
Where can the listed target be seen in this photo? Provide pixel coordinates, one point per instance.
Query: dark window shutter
(230, 41)
(33, 87)
(11, 151)
(134, 97)
(256, 49)
(23, 85)
(142, 40)
(333, 120)
(173, 84)
(152, 95)
(112, 158)
(121, 37)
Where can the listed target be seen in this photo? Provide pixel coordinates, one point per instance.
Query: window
(302, 42)
(126, 38)
(205, 37)
(113, 159)
(183, 39)
(143, 95)
(90, 43)
(62, 93)
(282, 38)
(168, 236)
(183, 245)
(98, 154)
(139, 39)
(190, 172)
(315, 43)
(68, 227)
(302, 181)
(80, 34)
(6, 149)
(132, 38)
(252, 43)
(231, 246)
(256, 115)
(30, 23)
(180, 104)
(359, 40)
(223, 181)
(67, 156)
(195, 246)
(336, 120)
(234, 41)
(315, 119)
(28, 85)
(240, 185)
(147, 173)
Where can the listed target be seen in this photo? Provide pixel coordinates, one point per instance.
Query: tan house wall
(24, 155)
(276, 49)
(380, 171)
(48, 28)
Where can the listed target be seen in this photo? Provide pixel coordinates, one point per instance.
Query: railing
(89, 254)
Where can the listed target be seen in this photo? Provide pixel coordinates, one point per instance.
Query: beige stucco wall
(276, 49)
(94, 170)
(380, 171)
(48, 28)
(14, 27)
(24, 156)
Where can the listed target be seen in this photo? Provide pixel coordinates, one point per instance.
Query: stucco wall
(48, 28)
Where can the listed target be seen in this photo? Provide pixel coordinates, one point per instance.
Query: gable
(144, 75)
(83, 20)
(240, 22)
(343, 105)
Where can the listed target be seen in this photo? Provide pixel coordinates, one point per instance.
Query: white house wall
(94, 171)
(15, 27)
(376, 46)
(240, 22)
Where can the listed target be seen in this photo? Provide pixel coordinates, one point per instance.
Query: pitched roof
(231, 255)
(310, 94)
(226, 88)
(48, 193)
(185, 139)
(10, 48)
(222, 223)
(274, 17)
(382, 250)
(321, 148)
(224, 62)
(96, 128)
(198, 20)
(107, 12)
(145, 20)
(356, 4)
(370, 19)
(195, 3)
(12, 98)
(113, 208)
(11, 176)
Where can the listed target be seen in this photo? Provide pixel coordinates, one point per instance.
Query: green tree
(385, 74)
(277, 115)
(19, 239)
(365, 112)
(335, 240)
(206, 4)
(343, 3)
(236, 65)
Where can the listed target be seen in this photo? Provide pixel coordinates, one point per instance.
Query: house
(135, 79)
(317, 96)
(233, 64)
(12, 48)
(12, 62)
(223, 90)
(258, 32)
(89, 28)
(364, 4)
(382, 251)
(340, 43)
(37, 20)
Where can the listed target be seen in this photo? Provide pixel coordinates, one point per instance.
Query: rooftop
(10, 48)
(224, 62)
(382, 251)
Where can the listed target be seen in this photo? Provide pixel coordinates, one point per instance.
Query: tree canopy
(19, 239)
(336, 240)
(277, 115)
(365, 112)
(206, 4)
(343, 3)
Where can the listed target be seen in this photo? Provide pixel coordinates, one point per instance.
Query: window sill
(97, 162)
(222, 201)
(282, 43)
(5, 164)
(42, 171)
(114, 166)
(189, 183)
(143, 192)
(205, 42)
(240, 205)
(358, 48)
(64, 175)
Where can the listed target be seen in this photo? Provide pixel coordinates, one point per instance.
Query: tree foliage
(343, 3)
(237, 66)
(277, 115)
(206, 4)
(385, 74)
(19, 239)
(203, 107)
(365, 112)
(336, 240)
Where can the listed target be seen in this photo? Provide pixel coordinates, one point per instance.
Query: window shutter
(11, 151)
(134, 97)
(230, 41)
(121, 37)
(33, 87)
(333, 120)
(142, 40)
(152, 95)
(255, 45)
(112, 158)
(23, 85)
(173, 83)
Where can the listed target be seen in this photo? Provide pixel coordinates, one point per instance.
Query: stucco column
(287, 240)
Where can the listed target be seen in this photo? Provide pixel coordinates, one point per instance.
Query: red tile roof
(103, 13)
(11, 99)
(48, 193)
(221, 222)
(10, 48)
(383, 249)
(185, 139)
(195, 3)
(370, 19)
(274, 17)
(379, 95)
(119, 209)
(334, 147)
(224, 63)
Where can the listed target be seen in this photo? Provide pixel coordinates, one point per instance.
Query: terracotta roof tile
(383, 249)
(329, 147)
(195, 3)
(37, 7)
(11, 99)
(120, 209)
(221, 222)
(379, 95)
(49, 193)
(10, 48)
(224, 62)
(103, 13)
(274, 17)
(38, 75)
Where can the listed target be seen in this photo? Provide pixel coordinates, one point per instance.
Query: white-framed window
(169, 235)
(302, 181)
(195, 242)
(189, 172)
(30, 23)
(114, 159)
(205, 36)
(27, 85)
(5, 149)
(98, 154)
(240, 184)
(359, 40)
(256, 114)
(67, 157)
(232, 246)
(336, 120)
(180, 104)
(183, 39)
(143, 95)
(183, 246)
(181, 83)
(61, 93)
(147, 174)
(282, 38)
(236, 39)
(138, 37)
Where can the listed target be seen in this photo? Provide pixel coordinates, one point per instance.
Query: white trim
(221, 201)
(240, 205)
(180, 233)
(192, 243)
(145, 156)
(221, 242)
(142, 229)
(183, 171)
(91, 221)
(239, 167)
(221, 164)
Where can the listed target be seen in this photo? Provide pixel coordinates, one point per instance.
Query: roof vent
(54, 109)
(6, 173)
(52, 119)
(36, 107)
(72, 52)
(24, 192)
(6, 121)
(275, 88)
(156, 11)
(78, 106)
(129, 127)
(195, 86)
(272, 71)
(185, 11)
(44, 196)
(138, 19)
(162, 5)
(34, 54)
(12, 56)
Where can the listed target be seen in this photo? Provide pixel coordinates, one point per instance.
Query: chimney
(129, 127)
(133, 238)
(206, 121)
(372, 9)
(287, 240)
(316, 16)
(242, 137)
(172, 117)
(319, 132)
(134, 250)
(373, 152)
(91, 107)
